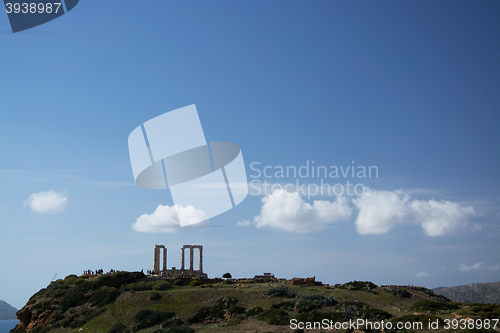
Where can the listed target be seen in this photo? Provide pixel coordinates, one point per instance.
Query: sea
(7, 325)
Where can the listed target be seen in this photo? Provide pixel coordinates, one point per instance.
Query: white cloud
(423, 274)
(243, 223)
(494, 267)
(165, 218)
(440, 217)
(380, 211)
(50, 202)
(289, 212)
(466, 268)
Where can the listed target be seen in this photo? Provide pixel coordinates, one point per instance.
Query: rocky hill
(132, 302)
(476, 292)
(7, 311)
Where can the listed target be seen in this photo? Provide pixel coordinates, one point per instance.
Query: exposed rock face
(29, 318)
(24, 315)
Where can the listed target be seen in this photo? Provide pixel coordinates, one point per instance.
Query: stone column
(182, 258)
(164, 258)
(200, 263)
(156, 263)
(191, 252)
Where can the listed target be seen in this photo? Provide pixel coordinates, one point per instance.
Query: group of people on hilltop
(97, 272)
(151, 272)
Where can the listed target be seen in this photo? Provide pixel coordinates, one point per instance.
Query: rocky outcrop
(29, 318)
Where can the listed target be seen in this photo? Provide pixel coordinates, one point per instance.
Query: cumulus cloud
(165, 218)
(440, 217)
(423, 274)
(380, 211)
(466, 268)
(287, 211)
(50, 202)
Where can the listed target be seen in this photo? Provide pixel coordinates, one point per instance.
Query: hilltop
(476, 292)
(7, 311)
(132, 302)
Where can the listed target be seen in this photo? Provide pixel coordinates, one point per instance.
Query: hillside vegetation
(131, 302)
(476, 292)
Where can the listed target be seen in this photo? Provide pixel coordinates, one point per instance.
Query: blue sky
(412, 88)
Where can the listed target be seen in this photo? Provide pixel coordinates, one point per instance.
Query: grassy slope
(186, 301)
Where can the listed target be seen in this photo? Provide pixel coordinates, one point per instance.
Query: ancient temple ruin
(191, 270)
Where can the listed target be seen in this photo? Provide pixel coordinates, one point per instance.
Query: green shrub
(285, 305)
(172, 322)
(148, 318)
(77, 323)
(42, 306)
(352, 306)
(307, 306)
(205, 313)
(359, 285)
(280, 291)
(71, 299)
(117, 279)
(214, 312)
(161, 285)
(274, 317)
(65, 322)
(40, 329)
(78, 281)
(104, 296)
(237, 319)
(154, 296)
(228, 282)
(400, 292)
(194, 283)
(489, 311)
(253, 311)
(141, 286)
(179, 282)
(58, 315)
(235, 309)
(119, 328)
(70, 279)
(375, 314)
(87, 286)
(226, 302)
(329, 301)
(433, 306)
